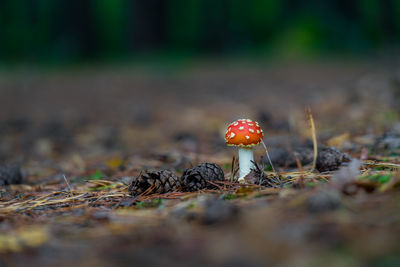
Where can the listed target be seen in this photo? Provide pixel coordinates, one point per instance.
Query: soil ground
(79, 137)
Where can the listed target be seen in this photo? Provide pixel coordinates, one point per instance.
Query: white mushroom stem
(245, 162)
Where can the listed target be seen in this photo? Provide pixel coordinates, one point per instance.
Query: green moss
(153, 203)
(381, 179)
(230, 196)
(98, 175)
(311, 184)
(268, 168)
(227, 166)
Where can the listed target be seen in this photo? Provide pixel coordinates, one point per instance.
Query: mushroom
(244, 134)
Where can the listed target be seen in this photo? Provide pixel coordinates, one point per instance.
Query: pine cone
(196, 178)
(155, 182)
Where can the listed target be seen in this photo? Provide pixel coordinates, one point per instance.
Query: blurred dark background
(102, 75)
(73, 31)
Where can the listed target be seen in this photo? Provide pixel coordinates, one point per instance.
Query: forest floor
(71, 142)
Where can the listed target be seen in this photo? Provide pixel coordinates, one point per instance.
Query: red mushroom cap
(244, 133)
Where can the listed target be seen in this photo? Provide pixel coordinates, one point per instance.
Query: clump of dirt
(324, 200)
(219, 211)
(10, 174)
(259, 177)
(287, 157)
(388, 143)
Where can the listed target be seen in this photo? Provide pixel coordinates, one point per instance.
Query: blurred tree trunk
(14, 29)
(148, 22)
(184, 24)
(111, 26)
(78, 22)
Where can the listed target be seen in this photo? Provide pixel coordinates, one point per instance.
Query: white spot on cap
(251, 130)
(241, 128)
(247, 137)
(249, 120)
(229, 129)
(232, 135)
(235, 123)
(258, 131)
(250, 124)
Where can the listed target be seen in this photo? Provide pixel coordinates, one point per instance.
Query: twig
(216, 185)
(314, 135)
(234, 169)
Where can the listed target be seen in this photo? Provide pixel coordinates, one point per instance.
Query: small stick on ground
(314, 136)
(234, 169)
(216, 185)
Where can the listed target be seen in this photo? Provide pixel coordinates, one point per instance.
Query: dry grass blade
(374, 164)
(39, 202)
(171, 195)
(68, 185)
(269, 159)
(311, 124)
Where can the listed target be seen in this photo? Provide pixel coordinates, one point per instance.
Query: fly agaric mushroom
(244, 134)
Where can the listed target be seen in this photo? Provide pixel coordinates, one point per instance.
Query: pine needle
(269, 159)
(68, 185)
(314, 136)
